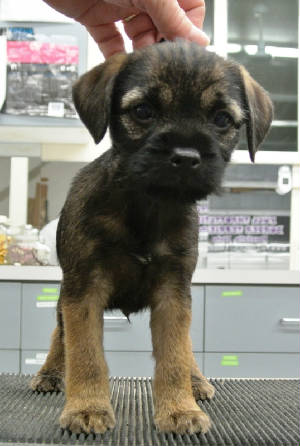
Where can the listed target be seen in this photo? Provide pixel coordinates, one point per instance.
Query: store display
(40, 72)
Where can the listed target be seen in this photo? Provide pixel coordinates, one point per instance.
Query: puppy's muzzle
(185, 158)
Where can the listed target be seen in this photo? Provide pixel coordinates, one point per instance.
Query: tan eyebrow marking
(236, 110)
(132, 96)
(166, 93)
(209, 96)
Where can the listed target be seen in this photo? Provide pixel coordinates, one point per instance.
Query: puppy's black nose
(185, 158)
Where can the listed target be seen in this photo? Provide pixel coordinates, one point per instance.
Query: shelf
(201, 276)
(44, 135)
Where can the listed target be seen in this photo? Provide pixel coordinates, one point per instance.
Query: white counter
(201, 276)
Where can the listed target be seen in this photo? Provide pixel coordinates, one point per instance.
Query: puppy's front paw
(202, 389)
(189, 420)
(96, 419)
(47, 382)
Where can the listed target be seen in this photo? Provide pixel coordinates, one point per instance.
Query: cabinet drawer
(38, 314)
(252, 365)
(9, 361)
(252, 319)
(130, 363)
(32, 360)
(10, 301)
(121, 335)
(120, 363)
(197, 327)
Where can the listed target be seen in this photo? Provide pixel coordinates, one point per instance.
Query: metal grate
(244, 412)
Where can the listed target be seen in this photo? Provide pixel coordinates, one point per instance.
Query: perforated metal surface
(243, 412)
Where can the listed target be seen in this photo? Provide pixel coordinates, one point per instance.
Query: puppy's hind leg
(202, 389)
(50, 377)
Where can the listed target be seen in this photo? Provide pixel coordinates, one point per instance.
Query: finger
(108, 38)
(101, 13)
(71, 8)
(195, 11)
(172, 21)
(141, 30)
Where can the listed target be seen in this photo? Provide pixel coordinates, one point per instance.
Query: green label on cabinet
(50, 290)
(232, 293)
(230, 360)
(47, 298)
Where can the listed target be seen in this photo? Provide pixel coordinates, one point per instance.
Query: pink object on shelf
(41, 53)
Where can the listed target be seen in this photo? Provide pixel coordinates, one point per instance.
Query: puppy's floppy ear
(92, 95)
(258, 112)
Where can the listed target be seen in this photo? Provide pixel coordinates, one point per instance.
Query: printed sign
(250, 229)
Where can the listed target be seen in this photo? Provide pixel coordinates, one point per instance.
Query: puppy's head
(175, 112)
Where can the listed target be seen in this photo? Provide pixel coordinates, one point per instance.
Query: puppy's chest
(136, 275)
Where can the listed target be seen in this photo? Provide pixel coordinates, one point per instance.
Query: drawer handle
(116, 318)
(289, 321)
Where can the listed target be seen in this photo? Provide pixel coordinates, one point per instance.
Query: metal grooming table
(244, 412)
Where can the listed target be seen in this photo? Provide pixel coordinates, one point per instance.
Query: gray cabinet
(38, 314)
(10, 300)
(251, 319)
(120, 363)
(237, 331)
(9, 361)
(122, 335)
(197, 326)
(32, 360)
(128, 347)
(130, 363)
(136, 363)
(10, 321)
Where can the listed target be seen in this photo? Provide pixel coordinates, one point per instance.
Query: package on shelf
(4, 239)
(25, 247)
(40, 72)
(48, 237)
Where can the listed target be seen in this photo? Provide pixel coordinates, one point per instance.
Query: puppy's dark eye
(142, 112)
(223, 120)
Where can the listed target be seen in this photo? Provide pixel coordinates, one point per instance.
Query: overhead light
(274, 51)
(234, 48)
(278, 51)
(251, 49)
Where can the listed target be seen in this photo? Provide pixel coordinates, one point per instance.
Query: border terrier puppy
(127, 235)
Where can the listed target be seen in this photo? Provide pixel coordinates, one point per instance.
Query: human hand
(145, 21)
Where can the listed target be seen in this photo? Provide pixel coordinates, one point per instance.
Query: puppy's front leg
(175, 407)
(88, 408)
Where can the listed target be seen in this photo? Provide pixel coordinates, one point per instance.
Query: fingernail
(199, 36)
